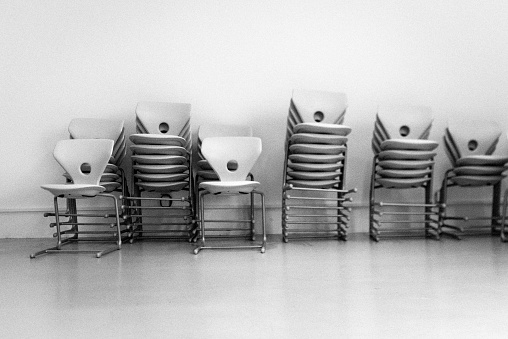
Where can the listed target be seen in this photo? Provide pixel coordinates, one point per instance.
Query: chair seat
(157, 139)
(321, 184)
(315, 138)
(304, 175)
(208, 175)
(316, 158)
(322, 128)
(161, 177)
(409, 144)
(405, 164)
(74, 191)
(482, 160)
(159, 159)
(477, 180)
(158, 150)
(389, 173)
(160, 169)
(406, 155)
(309, 167)
(316, 149)
(229, 186)
(164, 186)
(402, 183)
(479, 170)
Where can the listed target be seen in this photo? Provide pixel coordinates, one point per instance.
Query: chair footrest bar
(396, 204)
(311, 231)
(226, 229)
(321, 207)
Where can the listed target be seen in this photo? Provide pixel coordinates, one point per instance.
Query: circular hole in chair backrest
(85, 168)
(319, 116)
(232, 165)
(472, 145)
(163, 128)
(404, 131)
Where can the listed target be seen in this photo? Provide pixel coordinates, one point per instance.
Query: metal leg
(201, 221)
(503, 220)
(61, 242)
(496, 203)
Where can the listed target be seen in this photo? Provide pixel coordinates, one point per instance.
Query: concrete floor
(304, 289)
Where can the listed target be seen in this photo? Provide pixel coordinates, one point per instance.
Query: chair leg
(496, 204)
(263, 221)
(252, 223)
(503, 220)
(201, 220)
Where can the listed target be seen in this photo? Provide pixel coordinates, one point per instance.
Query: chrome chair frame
(432, 226)
(74, 230)
(496, 219)
(201, 221)
(338, 195)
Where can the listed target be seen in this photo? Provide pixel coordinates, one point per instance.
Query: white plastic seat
(232, 158)
(85, 161)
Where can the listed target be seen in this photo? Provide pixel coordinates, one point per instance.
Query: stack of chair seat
(205, 172)
(313, 189)
(470, 146)
(403, 159)
(161, 152)
(113, 180)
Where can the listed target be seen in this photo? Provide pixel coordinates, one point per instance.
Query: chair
(114, 179)
(470, 146)
(85, 161)
(205, 172)
(232, 158)
(403, 159)
(313, 187)
(162, 204)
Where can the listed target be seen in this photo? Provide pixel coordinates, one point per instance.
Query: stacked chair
(113, 180)
(313, 188)
(84, 161)
(205, 172)
(403, 159)
(470, 146)
(232, 159)
(161, 205)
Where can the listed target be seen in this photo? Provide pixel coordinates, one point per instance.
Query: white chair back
(319, 106)
(166, 118)
(232, 158)
(477, 137)
(90, 128)
(78, 156)
(405, 122)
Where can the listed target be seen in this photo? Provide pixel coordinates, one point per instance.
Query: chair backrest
(474, 137)
(84, 159)
(167, 118)
(318, 106)
(222, 130)
(405, 122)
(227, 153)
(90, 128)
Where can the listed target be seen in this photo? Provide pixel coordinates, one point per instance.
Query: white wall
(236, 62)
